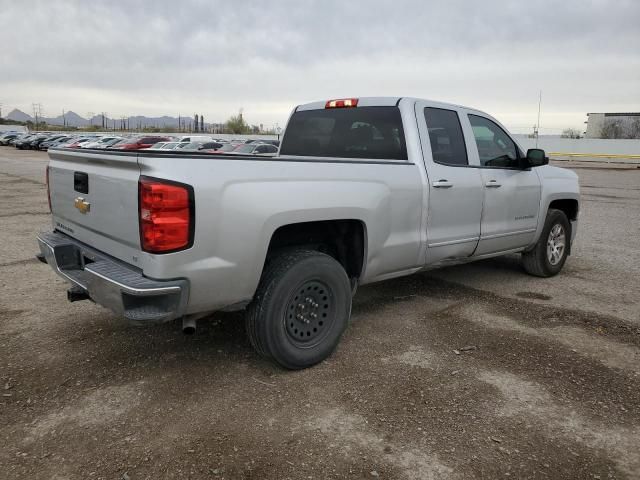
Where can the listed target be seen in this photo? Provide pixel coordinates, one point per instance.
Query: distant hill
(72, 119)
(19, 116)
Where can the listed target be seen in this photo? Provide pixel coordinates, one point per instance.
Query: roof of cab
(378, 102)
(362, 102)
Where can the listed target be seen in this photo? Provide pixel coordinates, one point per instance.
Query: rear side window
(445, 135)
(361, 132)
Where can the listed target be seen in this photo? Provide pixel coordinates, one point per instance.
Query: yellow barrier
(595, 155)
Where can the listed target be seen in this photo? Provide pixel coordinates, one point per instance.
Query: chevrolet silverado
(362, 190)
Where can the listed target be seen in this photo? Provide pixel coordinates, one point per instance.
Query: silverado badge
(81, 205)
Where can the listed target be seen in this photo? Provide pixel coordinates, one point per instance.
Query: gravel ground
(476, 371)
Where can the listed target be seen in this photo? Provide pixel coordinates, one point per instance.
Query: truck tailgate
(94, 199)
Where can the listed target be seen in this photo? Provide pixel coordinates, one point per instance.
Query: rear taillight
(167, 215)
(342, 103)
(48, 188)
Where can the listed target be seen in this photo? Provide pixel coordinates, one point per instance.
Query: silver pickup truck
(362, 190)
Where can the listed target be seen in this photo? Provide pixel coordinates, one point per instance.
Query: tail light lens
(167, 215)
(48, 189)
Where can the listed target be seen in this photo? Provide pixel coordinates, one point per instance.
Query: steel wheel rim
(556, 244)
(310, 313)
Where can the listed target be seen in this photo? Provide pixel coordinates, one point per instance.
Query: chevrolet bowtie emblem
(81, 205)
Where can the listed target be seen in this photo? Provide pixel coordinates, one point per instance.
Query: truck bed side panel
(241, 202)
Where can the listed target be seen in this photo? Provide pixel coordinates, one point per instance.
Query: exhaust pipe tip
(189, 325)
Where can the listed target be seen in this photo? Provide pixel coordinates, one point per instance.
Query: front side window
(495, 147)
(360, 132)
(445, 135)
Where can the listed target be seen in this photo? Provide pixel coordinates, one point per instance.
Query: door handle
(492, 184)
(442, 183)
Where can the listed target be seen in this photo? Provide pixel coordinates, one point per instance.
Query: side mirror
(536, 157)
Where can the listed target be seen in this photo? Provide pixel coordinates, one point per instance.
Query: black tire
(538, 261)
(295, 286)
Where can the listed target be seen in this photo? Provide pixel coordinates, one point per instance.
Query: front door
(455, 188)
(511, 193)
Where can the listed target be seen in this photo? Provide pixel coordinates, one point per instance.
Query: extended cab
(362, 190)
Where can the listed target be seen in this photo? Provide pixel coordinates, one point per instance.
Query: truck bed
(240, 201)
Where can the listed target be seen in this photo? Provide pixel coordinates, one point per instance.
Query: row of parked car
(191, 143)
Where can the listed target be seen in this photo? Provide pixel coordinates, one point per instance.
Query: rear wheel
(301, 308)
(549, 254)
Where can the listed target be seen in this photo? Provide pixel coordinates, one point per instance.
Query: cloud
(166, 57)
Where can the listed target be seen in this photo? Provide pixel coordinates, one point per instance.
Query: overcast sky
(159, 57)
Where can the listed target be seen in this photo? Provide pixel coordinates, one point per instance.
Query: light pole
(37, 111)
(538, 128)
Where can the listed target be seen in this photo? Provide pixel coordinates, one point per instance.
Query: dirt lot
(478, 371)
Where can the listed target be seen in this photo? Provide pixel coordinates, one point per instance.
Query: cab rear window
(362, 132)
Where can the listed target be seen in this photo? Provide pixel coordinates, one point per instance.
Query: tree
(611, 129)
(570, 133)
(633, 130)
(236, 124)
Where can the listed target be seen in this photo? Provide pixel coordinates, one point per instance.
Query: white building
(613, 125)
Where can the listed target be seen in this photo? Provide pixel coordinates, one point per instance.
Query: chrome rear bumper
(112, 283)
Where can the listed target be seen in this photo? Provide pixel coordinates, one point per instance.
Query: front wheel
(550, 252)
(301, 308)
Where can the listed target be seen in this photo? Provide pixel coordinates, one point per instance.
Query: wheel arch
(343, 239)
(569, 206)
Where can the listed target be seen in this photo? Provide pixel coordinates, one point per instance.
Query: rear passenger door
(511, 193)
(455, 188)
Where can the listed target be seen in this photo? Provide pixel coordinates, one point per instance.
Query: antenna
(538, 129)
